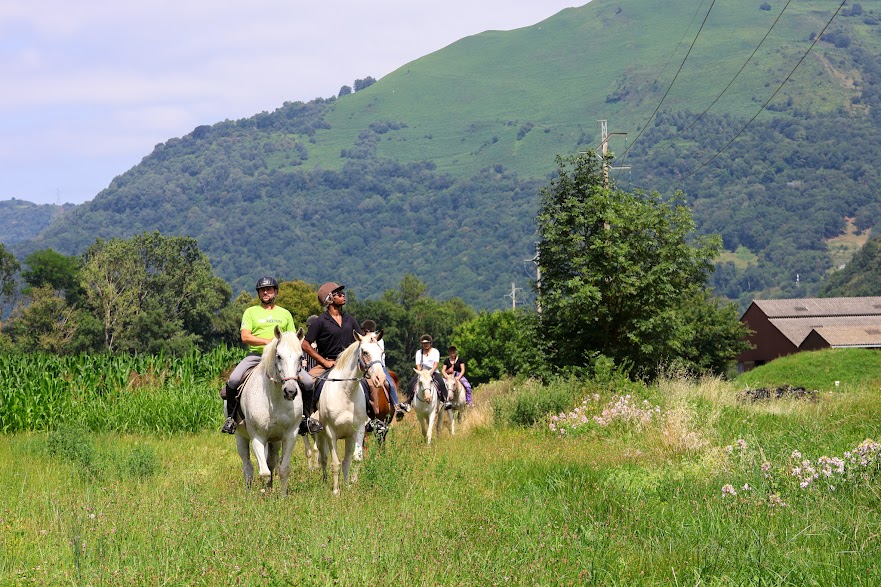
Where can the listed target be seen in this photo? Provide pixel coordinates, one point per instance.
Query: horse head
(424, 385)
(370, 357)
(450, 383)
(286, 354)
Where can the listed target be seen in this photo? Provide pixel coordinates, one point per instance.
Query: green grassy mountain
(435, 169)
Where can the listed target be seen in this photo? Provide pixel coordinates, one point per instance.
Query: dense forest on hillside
(21, 220)
(237, 188)
(787, 186)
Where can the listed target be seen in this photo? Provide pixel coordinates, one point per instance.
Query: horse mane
(346, 356)
(266, 360)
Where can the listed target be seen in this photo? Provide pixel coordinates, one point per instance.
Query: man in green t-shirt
(258, 329)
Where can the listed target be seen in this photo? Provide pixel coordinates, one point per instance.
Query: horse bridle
(361, 366)
(432, 385)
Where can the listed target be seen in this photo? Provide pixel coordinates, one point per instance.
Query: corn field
(112, 393)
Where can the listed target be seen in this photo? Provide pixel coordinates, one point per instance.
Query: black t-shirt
(332, 338)
(457, 366)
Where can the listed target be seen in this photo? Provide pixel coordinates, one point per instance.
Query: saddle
(238, 415)
(319, 385)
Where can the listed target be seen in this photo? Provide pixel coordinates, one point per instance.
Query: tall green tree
(152, 286)
(499, 344)
(615, 268)
(48, 323)
(60, 272)
(9, 267)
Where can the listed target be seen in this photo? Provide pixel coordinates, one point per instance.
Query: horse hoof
(358, 455)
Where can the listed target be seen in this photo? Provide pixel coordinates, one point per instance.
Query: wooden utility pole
(604, 148)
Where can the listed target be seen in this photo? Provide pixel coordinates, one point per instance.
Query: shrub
(531, 402)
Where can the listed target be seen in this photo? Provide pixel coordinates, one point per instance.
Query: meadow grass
(853, 369)
(682, 483)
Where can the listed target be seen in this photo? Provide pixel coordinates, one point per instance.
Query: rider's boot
(229, 427)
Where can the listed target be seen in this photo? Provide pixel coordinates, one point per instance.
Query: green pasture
(573, 482)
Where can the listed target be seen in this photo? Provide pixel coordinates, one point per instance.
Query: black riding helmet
(266, 281)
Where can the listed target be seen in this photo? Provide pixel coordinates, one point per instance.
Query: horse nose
(290, 389)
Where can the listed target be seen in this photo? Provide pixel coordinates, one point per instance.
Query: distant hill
(435, 169)
(21, 220)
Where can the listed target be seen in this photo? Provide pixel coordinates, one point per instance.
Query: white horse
(273, 408)
(342, 408)
(456, 395)
(427, 404)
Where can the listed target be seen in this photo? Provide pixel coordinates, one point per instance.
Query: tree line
(624, 283)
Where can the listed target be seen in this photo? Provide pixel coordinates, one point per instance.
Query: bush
(75, 447)
(531, 402)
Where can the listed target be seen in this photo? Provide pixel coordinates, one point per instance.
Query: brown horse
(384, 410)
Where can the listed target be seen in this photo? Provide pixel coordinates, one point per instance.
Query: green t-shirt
(262, 322)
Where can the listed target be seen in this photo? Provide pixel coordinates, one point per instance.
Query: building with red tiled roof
(784, 327)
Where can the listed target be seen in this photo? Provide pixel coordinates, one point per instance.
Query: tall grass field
(572, 482)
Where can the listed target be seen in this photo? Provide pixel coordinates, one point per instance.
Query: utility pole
(513, 295)
(537, 280)
(604, 148)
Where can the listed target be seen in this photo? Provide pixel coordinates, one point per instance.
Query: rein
(364, 369)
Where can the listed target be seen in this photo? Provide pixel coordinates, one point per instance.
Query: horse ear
(277, 332)
(358, 337)
(301, 332)
(415, 370)
(379, 336)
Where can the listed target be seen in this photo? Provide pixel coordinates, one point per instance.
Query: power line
(681, 65)
(670, 58)
(753, 54)
(768, 101)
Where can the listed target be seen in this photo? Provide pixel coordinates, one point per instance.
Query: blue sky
(91, 86)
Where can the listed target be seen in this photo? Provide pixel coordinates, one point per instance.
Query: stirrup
(399, 414)
(314, 426)
(377, 426)
(229, 427)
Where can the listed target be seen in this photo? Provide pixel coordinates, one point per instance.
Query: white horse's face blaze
(370, 356)
(288, 353)
(423, 386)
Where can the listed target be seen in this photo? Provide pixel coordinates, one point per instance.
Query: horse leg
(440, 419)
(423, 424)
(359, 445)
(310, 448)
(259, 447)
(432, 416)
(245, 454)
(271, 460)
(284, 469)
(347, 460)
(330, 442)
(323, 450)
